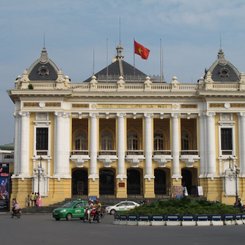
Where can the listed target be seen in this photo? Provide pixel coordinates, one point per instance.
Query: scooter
(16, 213)
(92, 215)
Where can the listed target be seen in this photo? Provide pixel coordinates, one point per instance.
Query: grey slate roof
(43, 68)
(118, 68)
(223, 71)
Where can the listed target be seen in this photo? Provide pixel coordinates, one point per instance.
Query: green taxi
(73, 209)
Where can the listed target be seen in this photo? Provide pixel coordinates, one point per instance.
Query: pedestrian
(32, 199)
(28, 201)
(35, 198)
(39, 201)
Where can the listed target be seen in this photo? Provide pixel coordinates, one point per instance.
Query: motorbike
(92, 215)
(16, 213)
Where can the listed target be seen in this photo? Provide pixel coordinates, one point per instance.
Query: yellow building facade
(123, 134)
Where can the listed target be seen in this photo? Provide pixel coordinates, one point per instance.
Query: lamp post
(235, 170)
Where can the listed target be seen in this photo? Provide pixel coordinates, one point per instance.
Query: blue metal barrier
(172, 218)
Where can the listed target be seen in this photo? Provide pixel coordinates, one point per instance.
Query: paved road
(37, 229)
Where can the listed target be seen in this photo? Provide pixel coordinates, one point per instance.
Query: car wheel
(57, 219)
(68, 217)
(113, 211)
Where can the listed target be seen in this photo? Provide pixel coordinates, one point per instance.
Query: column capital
(62, 114)
(241, 114)
(210, 114)
(175, 115)
(121, 115)
(15, 114)
(24, 114)
(148, 115)
(93, 115)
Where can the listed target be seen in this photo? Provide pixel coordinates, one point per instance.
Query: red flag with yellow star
(142, 51)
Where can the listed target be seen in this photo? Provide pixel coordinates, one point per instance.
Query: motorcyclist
(15, 207)
(89, 209)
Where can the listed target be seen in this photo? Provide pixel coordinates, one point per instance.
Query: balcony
(42, 152)
(134, 157)
(8, 158)
(189, 157)
(79, 157)
(162, 157)
(107, 157)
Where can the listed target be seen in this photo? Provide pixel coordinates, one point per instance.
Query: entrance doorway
(160, 182)
(189, 180)
(134, 183)
(107, 182)
(80, 182)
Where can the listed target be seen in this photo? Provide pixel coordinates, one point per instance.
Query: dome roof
(43, 68)
(222, 70)
(118, 68)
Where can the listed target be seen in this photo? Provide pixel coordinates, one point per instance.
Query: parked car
(73, 209)
(121, 206)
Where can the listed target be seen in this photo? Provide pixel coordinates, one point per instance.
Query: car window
(81, 205)
(120, 204)
(67, 205)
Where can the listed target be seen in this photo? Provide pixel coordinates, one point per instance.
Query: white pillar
(24, 146)
(93, 146)
(148, 146)
(242, 143)
(202, 145)
(121, 145)
(17, 134)
(62, 145)
(175, 146)
(211, 146)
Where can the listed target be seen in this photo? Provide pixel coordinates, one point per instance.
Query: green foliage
(189, 206)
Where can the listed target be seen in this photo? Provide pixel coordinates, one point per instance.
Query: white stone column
(62, 145)
(93, 146)
(25, 143)
(242, 143)
(17, 134)
(211, 146)
(202, 145)
(148, 145)
(175, 146)
(121, 145)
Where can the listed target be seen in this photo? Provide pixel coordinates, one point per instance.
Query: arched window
(133, 141)
(106, 140)
(158, 141)
(81, 141)
(185, 140)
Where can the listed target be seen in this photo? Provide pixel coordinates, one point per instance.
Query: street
(43, 229)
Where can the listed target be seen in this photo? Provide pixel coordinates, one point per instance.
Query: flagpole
(160, 60)
(93, 61)
(134, 58)
(107, 59)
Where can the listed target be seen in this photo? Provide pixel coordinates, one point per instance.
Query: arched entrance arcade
(107, 181)
(190, 180)
(134, 182)
(161, 181)
(79, 182)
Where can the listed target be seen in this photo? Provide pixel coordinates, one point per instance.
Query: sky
(191, 33)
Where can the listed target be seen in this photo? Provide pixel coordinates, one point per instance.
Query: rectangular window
(77, 144)
(42, 141)
(226, 141)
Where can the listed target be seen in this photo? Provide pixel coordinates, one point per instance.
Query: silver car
(121, 206)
